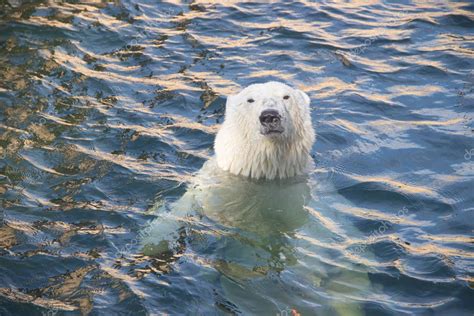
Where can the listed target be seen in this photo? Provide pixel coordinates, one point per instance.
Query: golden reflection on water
(397, 185)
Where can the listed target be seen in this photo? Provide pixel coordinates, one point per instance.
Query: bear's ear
(304, 97)
(230, 101)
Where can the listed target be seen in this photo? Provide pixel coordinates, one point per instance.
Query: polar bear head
(267, 132)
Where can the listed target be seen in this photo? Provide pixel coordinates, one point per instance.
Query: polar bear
(245, 206)
(267, 134)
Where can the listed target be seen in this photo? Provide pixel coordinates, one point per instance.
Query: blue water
(108, 109)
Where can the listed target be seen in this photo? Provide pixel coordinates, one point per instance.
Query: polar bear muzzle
(270, 121)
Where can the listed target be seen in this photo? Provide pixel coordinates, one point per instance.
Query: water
(108, 109)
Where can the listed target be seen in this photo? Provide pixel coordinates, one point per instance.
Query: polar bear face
(267, 132)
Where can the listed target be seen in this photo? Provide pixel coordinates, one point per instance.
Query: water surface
(107, 110)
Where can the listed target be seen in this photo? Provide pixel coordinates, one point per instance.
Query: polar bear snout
(270, 121)
(270, 117)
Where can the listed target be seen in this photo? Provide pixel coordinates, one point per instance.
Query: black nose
(270, 117)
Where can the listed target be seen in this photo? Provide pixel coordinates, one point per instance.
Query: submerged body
(259, 207)
(254, 232)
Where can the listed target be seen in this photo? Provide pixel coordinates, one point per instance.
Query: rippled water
(108, 109)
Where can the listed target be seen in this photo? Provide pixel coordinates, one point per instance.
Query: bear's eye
(250, 100)
(286, 97)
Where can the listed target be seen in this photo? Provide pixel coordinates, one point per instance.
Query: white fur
(242, 150)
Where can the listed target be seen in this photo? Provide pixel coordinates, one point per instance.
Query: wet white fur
(242, 150)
